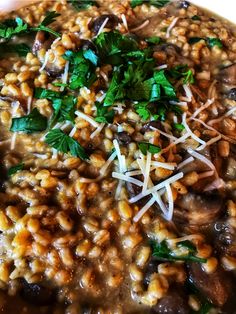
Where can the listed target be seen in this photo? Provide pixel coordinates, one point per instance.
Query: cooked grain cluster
(68, 225)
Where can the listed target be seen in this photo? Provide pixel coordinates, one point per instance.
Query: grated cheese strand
(108, 163)
(87, 118)
(123, 17)
(45, 61)
(144, 24)
(189, 131)
(205, 106)
(164, 165)
(203, 159)
(228, 113)
(185, 162)
(188, 92)
(210, 142)
(144, 209)
(102, 26)
(205, 174)
(126, 178)
(97, 131)
(169, 216)
(171, 26)
(147, 171)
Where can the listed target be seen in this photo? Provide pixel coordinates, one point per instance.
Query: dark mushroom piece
(96, 24)
(37, 294)
(184, 4)
(152, 124)
(231, 94)
(150, 269)
(230, 168)
(198, 209)
(123, 138)
(174, 302)
(228, 74)
(42, 40)
(216, 287)
(86, 44)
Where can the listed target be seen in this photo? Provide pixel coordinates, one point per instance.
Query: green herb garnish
(148, 147)
(43, 93)
(214, 42)
(49, 18)
(80, 5)
(82, 68)
(153, 40)
(33, 122)
(194, 40)
(196, 18)
(104, 115)
(15, 168)
(182, 71)
(179, 126)
(64, 109)
(20, 49)
(156, 3)
(9, 28)
(65, 144)
(164, 253)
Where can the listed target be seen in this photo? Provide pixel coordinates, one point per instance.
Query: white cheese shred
(87, 118)
(205, 174)
(187, 128)
(228, 113)
(104, 168)
(161, 67)
(164, 165)
(123, 17)
(144, 24)
(13, 141)
(103, 26)
(185, 162)
(147, 171)
(171, 26)
(29, 103)
(170, 201)
(98, 130)
(145, 208)
(210, 142)
(73, 131)
(203, 107)
(45, 61)
(203, 159)
(126, 178)
(65, 75)
(188, 92)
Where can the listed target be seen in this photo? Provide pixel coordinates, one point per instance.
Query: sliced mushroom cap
(96, 24)
(174, 302)
(123, 138)
(42, 40)
(198, 209)
(228, 74)
(37, 294)
(230, 168)
(216, 287)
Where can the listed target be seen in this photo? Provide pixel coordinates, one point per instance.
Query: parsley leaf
(33, 122)
(156, 3)
(153, 40)
(148, 147)
(179, 126)
(80, 5)
(20, 49)
(64, 109)
(164, 253)
(43, 93)
(143, 111)
(114, 91)
(214, 42)
(112, 47)
(65, 144)
(49, 18)
(82, 68)
(194, 40)
(9, 28)
(196, 18)
(161, 79)
(15, 168)
(182, 71)
(104, 115)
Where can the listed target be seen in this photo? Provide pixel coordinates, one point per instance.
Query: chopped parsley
(65, 144)
(33, 122)
(164, 253)
(148, 147)
(20, 49)
(156, 3)
(80, 5)
(196, 18)
(49, 18)
(154, 40)
(210, 41)
(12, 27)
(182, 71)
(104, 115)
(64, 109)
(42, 93)
(15, 168)
(82, 68)
(179, 126)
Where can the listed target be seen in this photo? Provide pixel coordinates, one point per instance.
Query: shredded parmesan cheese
(144, 209)
(203, 107)
(13, 141)
(164, 133)
(161, 67)
(205, 174)
(41, 156)
(123, 17)
(210, 142)
(65, 75)
(147, 171)
(171, 26)
(45, 61)
(187, 128)
(185, 162)
(29, 102)
(103, 26)
(164, 165)
(228, 113)
(73, 131)
(188, 92)
(87, 118)
(108, 163)
(144, 24)
(203, 159)
(170, 201)
(98, 130)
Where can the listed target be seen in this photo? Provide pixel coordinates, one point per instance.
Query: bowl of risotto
(118, 158)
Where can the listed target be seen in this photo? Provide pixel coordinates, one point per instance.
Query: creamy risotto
(118, 159)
